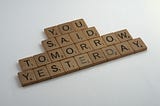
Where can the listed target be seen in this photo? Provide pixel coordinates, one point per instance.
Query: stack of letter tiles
(73, 46)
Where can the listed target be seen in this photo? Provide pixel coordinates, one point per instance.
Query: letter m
(55, 55)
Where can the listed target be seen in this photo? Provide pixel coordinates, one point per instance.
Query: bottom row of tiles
(81, 61)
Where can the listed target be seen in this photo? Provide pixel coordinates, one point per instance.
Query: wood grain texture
(55, 69)
(124, 48)
(69, 65)
(91, 32)
(52, 31)
(50, 44)
(83, 61)
(138, 45)
(41, 74)
(79, 24)
(27, 63)
(64, 40)
(84, 46)
(111, 52)
(110, 39)
(42, 59)
(27, 77)
(97, 56)
(123, 35)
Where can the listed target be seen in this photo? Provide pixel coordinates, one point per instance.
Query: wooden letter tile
(124, 48)
(64, 40)
(97, 56)
(97, 43)
(111, 52)
(52, 31)
(123, 35)
(56, 54)
(79, 24)
(138, 45)
(55, 69)
(70, 50)
(83, 61)
(66, 28)
(91, 32)
(78, 36)
(27, 77)
(50, 44)
(42, 59)
(27, 63)
(84, 46)
(41, 73)
(110, 39)
(69, 65)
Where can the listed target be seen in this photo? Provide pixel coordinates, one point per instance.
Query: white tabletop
(130, 81)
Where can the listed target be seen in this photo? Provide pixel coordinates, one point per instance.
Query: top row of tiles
(65, 28)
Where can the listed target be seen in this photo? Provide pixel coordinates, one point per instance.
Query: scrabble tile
(69, 65)
(123, 35)
(77, 36)
(111, 52)
(64, 40)
(110, 39)
(83, 61)
(55, 69)
(91, 32)
(42, 59)
(66, 28)
(97, 43)
(79, 24)
(84, 46)
(124, 48)
(41, 73)
(27, 77)
(52, 31)
(56, 54)
(70, 50)
(97, 56)
(50, 44)
(138, 45)
(27, 63)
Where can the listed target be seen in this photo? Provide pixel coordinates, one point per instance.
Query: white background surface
(130, 81)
